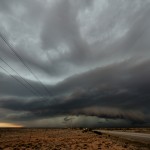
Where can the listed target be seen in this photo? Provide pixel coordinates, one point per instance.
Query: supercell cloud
(83, 62)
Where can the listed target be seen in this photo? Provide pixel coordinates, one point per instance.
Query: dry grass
(60, 139)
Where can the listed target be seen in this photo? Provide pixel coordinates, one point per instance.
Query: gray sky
(93, 58)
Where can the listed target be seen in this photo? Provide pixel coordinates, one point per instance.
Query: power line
(32, 87)
(19, 75)
(21, 59)
(35, 92)
(29, 69)
(32, 90)
(15, 78)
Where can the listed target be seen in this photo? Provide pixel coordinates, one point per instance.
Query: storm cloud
(86, 60)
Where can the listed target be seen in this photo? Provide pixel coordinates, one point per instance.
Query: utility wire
(29, 69)
(15, 78)
(21, 59)
(33, 89)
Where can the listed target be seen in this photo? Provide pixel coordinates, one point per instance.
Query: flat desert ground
(63, 139)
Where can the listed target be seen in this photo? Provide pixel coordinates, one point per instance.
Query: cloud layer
(92, 57)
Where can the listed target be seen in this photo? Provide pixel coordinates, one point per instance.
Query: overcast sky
(85, 60)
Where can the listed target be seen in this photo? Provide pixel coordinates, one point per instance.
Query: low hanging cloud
(93, 58)
(117, 94)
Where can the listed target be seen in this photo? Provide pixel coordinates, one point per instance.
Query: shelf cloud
(86, 60)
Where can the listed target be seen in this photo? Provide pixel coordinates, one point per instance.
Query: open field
(63, 139)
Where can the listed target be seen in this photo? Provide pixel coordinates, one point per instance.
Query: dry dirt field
(62, 139)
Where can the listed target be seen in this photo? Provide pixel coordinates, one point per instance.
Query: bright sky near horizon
(7, 125)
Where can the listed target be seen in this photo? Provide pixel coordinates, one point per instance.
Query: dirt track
(140, 137)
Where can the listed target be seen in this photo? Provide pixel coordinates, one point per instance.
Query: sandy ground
(62, 139)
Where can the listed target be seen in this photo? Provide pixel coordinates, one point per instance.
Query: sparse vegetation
(62, 139)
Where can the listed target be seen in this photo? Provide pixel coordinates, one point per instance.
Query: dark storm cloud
(61, 27)
(136, 39)
(92, 56)
(112, 92)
